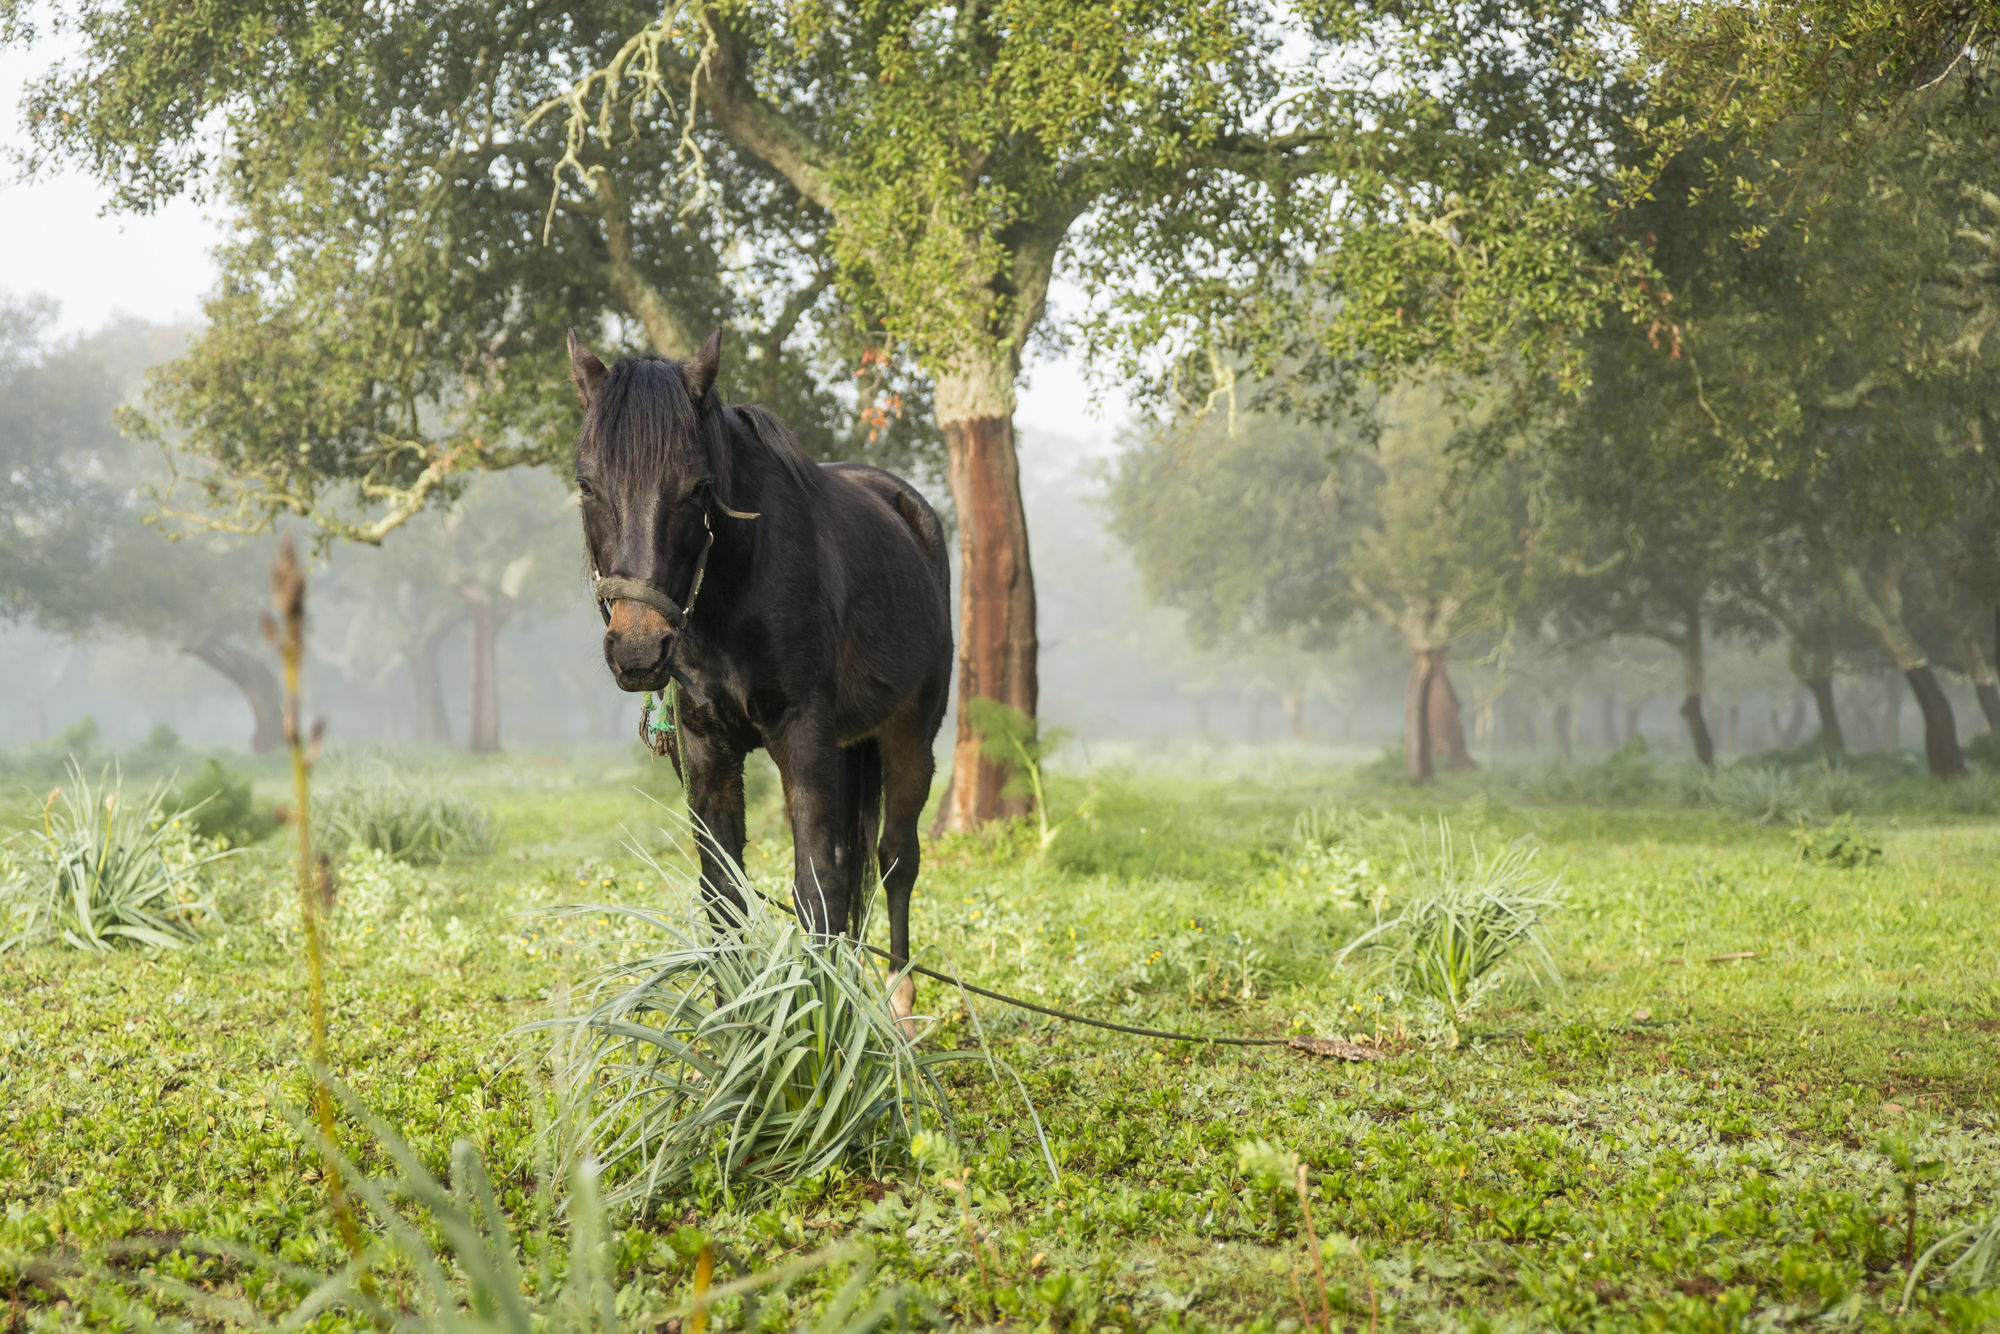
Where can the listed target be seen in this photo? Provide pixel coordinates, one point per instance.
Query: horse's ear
(700, 371)
(586, 370)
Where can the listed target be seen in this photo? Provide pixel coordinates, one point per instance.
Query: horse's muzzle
(637, 643)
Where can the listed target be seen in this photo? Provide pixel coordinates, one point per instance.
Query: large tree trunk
(1881, 610)
(1417, 715)
(490, 609)
(258, 683)
(1447, 721)
(1830, 737)
(996, 598)
(430, 723)
(1693, 679)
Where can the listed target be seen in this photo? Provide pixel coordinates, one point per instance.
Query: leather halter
(608, 589)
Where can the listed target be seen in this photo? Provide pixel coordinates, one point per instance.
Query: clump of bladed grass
(748, 1055)
(1472, 915)
(391, 815)
(105, 869)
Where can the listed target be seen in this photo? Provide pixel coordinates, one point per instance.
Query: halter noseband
(608, 589)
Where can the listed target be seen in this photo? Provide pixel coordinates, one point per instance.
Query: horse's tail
(861, 808)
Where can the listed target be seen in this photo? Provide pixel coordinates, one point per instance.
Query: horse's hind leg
(907, 767)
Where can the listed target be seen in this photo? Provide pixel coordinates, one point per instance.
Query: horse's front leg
(715, 803)
(809, 760)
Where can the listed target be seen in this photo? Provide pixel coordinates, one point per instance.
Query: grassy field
(1696, 1130)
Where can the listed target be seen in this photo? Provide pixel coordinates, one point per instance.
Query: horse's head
(651, 466)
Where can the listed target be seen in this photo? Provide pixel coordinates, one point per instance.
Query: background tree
(75, 556)
(1288, 527)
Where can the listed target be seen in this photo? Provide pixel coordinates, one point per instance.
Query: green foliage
(740, 1060)
(104, 870)
(1984, 750)
(218, 804)
(1470, 914)
(410, 823)
(1841, 844)
(1020, 745)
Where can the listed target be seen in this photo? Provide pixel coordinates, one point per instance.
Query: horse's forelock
(643, 423)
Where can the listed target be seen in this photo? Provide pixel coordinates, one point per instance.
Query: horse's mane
(777, 437)
(644, 406)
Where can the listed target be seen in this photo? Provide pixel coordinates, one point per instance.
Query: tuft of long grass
(391, 815)
(1976, 1264)
(1471, 916)
(1758, 792)
(105, 870)
(750, 1056)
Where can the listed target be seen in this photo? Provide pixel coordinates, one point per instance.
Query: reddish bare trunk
(1447, 720)
(1424, 664)
(996, 609)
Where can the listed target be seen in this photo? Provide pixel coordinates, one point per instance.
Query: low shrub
(218, 803)
(1840, 844)
(1470, 916)
(105, 870)
(391, 816)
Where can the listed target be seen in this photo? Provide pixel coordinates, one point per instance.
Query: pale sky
(56, 240)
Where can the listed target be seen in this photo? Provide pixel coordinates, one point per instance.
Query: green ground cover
(1688, 1134)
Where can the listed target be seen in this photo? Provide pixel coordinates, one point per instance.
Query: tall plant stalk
(287, 633)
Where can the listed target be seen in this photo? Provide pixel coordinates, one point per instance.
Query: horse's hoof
(903, 1004)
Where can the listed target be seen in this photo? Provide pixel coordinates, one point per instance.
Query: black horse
(799, 607)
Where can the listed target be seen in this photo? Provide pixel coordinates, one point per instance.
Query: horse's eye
(585, 489)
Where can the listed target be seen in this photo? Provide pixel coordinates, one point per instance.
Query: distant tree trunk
(996, 622)
(1446, 721)
(1632, 722)
(1293, 701)
(1830, 737)
(1559, 725)
(1892, 714)
(1980, 673)
(430, 723)
(1417, 716)
(1730, 722)
(1256, 715)
(1693, 680)
(258, 683)
(489, 609)
(1795, 724)
(1881, 610)
(1607, 722)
